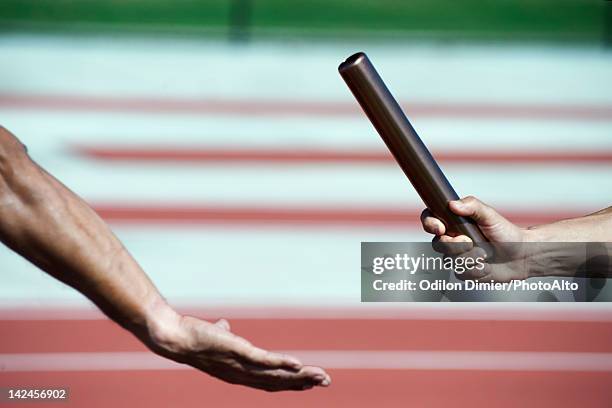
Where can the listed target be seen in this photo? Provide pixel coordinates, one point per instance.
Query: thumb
(224, 324)
(477, 210)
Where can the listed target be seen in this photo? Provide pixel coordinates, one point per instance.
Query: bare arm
(49, 225)
(596, 227)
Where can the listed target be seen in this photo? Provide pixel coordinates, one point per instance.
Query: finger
(224, 324)
(432, 224)
(477, 210)
(242, 371)
(269, 359)
(281, 379)
(474, 252)
(468, 268)
(453, 246)
(256, 356)
(319, 374)
(278, 379)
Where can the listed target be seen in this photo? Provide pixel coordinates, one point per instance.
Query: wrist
(534, 234)
(163, 332)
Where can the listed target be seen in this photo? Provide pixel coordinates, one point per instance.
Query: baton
(402, 140)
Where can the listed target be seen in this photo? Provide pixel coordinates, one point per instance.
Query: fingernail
(325, 382)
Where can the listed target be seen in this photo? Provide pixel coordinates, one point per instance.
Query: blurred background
(220, 143)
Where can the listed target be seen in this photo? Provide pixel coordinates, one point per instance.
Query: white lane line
(563, 312)
(459, 360)
(331, 359)
(102, 361)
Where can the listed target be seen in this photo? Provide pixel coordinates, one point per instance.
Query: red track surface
(304, 156)
(329, 334)
(351, 387)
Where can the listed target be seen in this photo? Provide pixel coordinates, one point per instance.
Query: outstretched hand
(214, 349)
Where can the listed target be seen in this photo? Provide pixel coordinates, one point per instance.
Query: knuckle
(252, 355)
(277, 375)
(470, 200)
(272, 359)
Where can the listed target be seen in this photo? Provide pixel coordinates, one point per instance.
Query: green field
(557, 20)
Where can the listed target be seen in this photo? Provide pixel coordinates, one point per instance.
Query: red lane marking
(278, 156)
(292, 107)
(192, 215)
(350, 388)
(329, 334)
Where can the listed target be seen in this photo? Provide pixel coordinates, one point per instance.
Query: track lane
(329, 334)
(350, 388)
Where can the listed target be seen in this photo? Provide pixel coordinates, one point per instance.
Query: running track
(394, 362)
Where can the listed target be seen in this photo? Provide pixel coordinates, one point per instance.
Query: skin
(52, 227)
(521, 261)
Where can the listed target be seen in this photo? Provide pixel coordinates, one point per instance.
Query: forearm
(53, 228)
(572, 247)
(596, 227)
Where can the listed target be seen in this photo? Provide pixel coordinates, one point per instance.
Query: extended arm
(49, 225)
